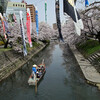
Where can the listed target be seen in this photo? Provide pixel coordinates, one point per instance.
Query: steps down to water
(94, 58)
(89, 71)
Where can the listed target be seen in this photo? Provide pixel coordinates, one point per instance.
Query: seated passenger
(37, 73)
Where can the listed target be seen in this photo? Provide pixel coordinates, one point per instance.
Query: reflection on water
(63, 79)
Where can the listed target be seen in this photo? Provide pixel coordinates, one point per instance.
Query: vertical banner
(46, 11)
(23, 34)
(6, 25)
(78, 24)
(14, 17)
(2, 21)
(58, 19)
(5, 22)
(86, 3)
(28, 25)
(3, 27)
(70, 9)
(77, 27)
(37, 25)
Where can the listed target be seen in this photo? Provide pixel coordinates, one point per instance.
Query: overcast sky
(51, 9)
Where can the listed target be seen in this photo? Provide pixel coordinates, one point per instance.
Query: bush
(46, 41)
(35, 44)
(1, 43)
(19, 40)
(89, 47)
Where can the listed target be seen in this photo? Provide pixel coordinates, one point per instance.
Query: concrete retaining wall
(11, 62)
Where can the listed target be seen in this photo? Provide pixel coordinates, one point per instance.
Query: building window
(23, 5)
(16, 4)
(13, 4)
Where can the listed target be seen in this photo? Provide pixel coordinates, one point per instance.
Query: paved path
(88, 70)
(1, 46)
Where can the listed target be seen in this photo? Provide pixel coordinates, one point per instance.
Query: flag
(23, 34)
(4, 30)
(14, 18)
(9, 18)
(2, 21)
(28, 25)
(58, 19)
(86, 3)
(78, 24)
(1, 17)
(6, 23)
(46, 11)
(78, 30)
(6, 26)
(68, 7)
(37, 26)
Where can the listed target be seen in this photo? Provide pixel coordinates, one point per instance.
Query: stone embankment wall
(11, 61)
(90, 73)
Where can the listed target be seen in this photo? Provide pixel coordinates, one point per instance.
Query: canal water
(63, 79)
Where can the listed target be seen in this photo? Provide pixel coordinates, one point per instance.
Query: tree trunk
(6, 44)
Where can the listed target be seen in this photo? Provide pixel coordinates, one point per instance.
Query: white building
(14, 8)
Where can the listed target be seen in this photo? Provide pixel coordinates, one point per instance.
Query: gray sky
(51, 9)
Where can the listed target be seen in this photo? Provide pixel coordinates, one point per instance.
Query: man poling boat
(37, 74)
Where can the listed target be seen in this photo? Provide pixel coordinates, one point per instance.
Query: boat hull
(32, 81)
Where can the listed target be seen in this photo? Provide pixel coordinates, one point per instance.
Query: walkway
(88, 70)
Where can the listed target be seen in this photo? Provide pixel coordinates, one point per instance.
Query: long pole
(36, 87)
(46, 11)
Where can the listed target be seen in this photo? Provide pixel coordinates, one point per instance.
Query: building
(23, 1)
(55, 26)
(3, 4)
(14, 8)
(32, 11)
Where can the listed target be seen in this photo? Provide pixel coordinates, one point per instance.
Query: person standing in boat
(34, 69)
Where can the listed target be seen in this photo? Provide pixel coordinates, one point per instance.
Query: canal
(63, 79)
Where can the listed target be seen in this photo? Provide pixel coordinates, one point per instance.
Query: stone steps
(93, 57)
(89, 71)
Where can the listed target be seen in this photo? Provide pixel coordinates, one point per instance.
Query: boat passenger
(39, 66)
(37, 73)
(43, 69)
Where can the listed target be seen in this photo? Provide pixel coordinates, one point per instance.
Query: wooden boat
(35, 81)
